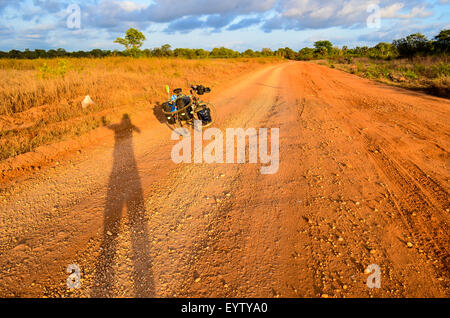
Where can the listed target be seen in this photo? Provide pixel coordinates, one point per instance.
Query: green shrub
(411, 75)
(60, 70)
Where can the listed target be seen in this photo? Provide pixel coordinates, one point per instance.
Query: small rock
(109, 233)
(409, 244)
(324, 295)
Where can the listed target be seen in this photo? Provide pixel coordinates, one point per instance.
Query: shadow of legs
(142, 273)
(104, 271)
(124, 189)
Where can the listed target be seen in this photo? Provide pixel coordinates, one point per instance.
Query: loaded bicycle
(182, 110)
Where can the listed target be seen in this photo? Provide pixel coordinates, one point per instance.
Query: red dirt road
(363, 179)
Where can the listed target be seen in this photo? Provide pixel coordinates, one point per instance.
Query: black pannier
(205, 115)
(202, 89)
(182, 102)
(168, 108)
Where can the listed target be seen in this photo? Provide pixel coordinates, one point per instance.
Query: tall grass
(40, 100)
(431, 74)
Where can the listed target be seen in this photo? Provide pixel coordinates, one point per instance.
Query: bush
(411, 75)
(413, 45)
(60, 70)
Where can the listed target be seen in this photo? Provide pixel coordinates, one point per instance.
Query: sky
(236, 24)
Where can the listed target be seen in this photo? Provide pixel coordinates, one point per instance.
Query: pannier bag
(202, 90)
(182, 102)
(167, 107)
(205, 115)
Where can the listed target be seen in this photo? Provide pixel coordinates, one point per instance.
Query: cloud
(185, 25)
(169, 10)
(244, 23)
(5, 31)
(390, 12)
(308, 14)
(117, 15)
(50, 6)
(402, 29)
(8, 3)
(416, 12)
(215, 22)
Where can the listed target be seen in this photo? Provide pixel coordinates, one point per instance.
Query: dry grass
(40, 99)
(430, 74)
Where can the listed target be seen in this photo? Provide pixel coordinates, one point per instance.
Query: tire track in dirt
(413, 204)
(357, 123)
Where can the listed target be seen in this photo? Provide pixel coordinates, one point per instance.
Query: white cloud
(416, 12)
(390, 12)
(131, 6)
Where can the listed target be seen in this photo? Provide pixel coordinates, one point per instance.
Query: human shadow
(124, 190)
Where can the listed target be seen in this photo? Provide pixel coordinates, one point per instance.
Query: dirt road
(363, 179)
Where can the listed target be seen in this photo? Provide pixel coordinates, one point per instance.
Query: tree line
(163, 51)
(413, 45)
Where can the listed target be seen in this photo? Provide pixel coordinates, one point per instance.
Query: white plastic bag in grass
(86, 102)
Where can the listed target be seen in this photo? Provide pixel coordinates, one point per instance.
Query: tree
(382, 50)
(15, 54)
(306, 54)
(442, 43)
(266, 52)
(61, 52)
(290, 54)
(249, 53)
(201, 53)
(412, 45)
(323, 47)
(133, 40)
(166, 50)
(223, 52)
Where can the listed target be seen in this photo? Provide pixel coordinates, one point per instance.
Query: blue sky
(237, 24)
